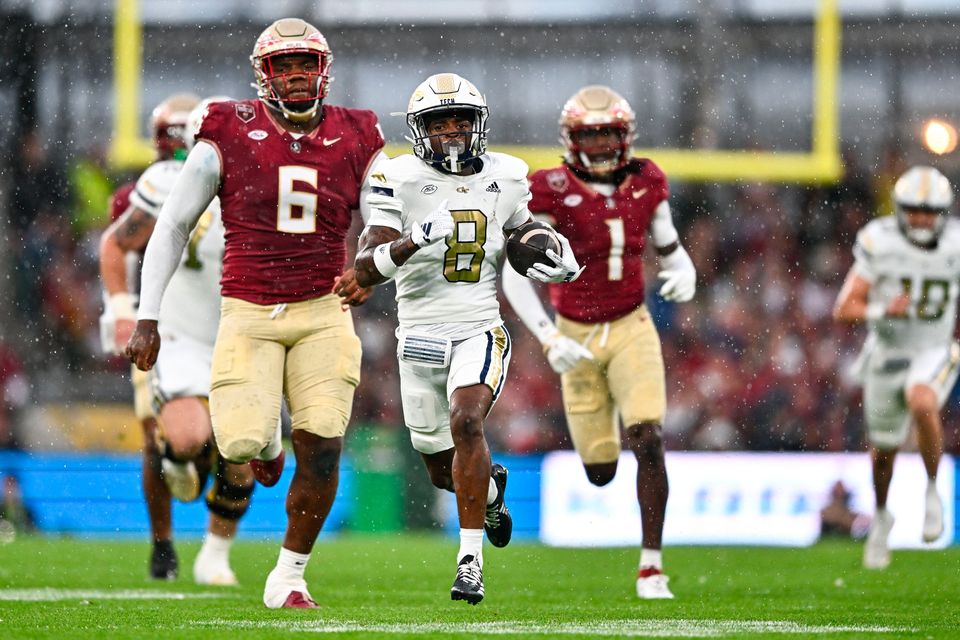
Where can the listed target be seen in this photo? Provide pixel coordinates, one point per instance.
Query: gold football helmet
(283, 37)
(168, 123)
(447, 93)
(593, 110)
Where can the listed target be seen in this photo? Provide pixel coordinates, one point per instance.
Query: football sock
(651, 559)
(216, 545)
(492, 492)
(292, 563)
(471, 544)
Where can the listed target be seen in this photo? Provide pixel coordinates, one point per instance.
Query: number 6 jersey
(930, 277)
(287, 200)
(455, 280)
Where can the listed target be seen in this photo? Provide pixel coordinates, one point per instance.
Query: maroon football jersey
(607, 235)
(286, 201)
(120, 200)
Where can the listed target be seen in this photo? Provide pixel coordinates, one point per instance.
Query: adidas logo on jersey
(493, 188)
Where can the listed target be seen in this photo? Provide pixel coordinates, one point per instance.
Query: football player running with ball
(904, 284)
(288, 170)
(180, 382)
(604, 344)
(438, 224)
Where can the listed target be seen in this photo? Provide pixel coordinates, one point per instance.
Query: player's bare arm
(130, 232)
(853, 304)
(400, 248)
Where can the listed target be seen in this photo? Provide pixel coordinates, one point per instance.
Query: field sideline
(397, 586)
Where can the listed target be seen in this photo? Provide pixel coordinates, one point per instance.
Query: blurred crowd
(755, 362)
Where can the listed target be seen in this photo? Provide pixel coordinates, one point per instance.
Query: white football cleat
(281, 592)
(182, 479)
(652, 585)
(933, 517)
(876, 553)
(209, 569)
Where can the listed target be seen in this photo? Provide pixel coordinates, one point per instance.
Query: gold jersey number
(464, 256)
(934, 296)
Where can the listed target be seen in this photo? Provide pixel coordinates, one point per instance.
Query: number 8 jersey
(930, 277)
(456, 278)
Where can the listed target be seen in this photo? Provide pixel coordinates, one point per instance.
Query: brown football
(528, 245)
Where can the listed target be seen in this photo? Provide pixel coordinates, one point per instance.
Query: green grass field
(397, 586)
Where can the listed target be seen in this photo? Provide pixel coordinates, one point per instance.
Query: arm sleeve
(661, 227)
(192, 193)
(526, 303)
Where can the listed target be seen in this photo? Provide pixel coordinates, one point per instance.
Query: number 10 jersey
(930, 277)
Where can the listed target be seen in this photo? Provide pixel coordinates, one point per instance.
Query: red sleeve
(545, 200)
(213, 123)
(655, 176)
(120, 200)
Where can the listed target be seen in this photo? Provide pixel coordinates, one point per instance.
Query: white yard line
(56, 595)
(667, 628)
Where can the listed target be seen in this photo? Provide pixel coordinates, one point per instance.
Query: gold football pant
(624, 380)
(306, 351)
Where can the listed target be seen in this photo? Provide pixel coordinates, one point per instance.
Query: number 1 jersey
(607, 235)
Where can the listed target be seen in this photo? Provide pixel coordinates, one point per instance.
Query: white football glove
(679, 276)
(564, 353)
(435, 227)
(567, 269)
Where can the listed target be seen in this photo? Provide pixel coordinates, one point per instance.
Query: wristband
(384, 261)
(875, 311)
(121, 306)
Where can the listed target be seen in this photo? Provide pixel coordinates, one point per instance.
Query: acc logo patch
(245, 112)
(572, 200)
(557, 180)
(257, 134)
(428, 189)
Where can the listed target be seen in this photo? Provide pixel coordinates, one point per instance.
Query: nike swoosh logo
(329, 141)
(639, 194)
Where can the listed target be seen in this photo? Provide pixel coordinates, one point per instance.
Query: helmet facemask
(271, 81)
(455, 152)
(923, 236)
(597, 149)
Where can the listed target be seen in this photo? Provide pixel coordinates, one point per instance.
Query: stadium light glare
(939, 136)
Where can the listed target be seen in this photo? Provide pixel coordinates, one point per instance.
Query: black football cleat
(498, 523)
(469, 582)
(163, 561)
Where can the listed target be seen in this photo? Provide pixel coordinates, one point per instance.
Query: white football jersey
(452, 281)
(931, 277)
(191, 304)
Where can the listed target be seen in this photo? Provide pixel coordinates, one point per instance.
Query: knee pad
(225, 499)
